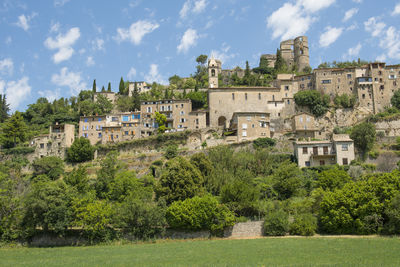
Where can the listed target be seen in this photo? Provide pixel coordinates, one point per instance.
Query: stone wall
(391, 128)
(245, 229)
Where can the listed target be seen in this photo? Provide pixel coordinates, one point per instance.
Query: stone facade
(109, 95)
(304, 126)
(142, 87)
(250, 125)
(295, 52)
(214, 69)
(55, 143)
(340, 150)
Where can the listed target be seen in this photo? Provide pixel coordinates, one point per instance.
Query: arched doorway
(222, 121)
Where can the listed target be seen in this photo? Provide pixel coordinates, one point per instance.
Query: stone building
(110, 128)
(142, 87)
(55, 143)
(340, 150)
(295, 52)
(214, 69)
(249, 126)
(113, 97)
(304, 126)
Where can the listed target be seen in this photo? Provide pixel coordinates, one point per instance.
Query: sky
(56, 48)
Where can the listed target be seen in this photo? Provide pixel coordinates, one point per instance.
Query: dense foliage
(314, 100)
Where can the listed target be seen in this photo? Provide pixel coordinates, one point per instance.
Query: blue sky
(55, 48)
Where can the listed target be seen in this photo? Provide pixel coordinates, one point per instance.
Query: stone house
(249, 126)
(304, 126)
(142, 87)
(55, 143)
(339, 150)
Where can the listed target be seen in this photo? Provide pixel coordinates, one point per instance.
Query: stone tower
(214, 69)
(301, 53)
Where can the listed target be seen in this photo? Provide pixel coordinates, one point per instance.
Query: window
(382, 87)
(263, 124)
(286, 87)
(244, 133)
(233, 96)
(345, 147)
(392, 76)
(273, 97)
(114, 119)
(182, 112)
(85, 120)
(349, 76)
(363, 96)
(125, 118)
(138, 116)
(345, 161)
(182, 120)
(252, 126)
(99, 119)
(245, 96)
(315, 150)
(288, 101)
(126, 132)
(99, 135)
(149, 109)
(307, 164)
(305, 150)
(307, 119)
(301, 119)
(259, 96)
(325, 148)
(248, 118)
(322, 162)
(181, 105)
(162, 108)
(41, 145)
(244, 125)
(326, 81)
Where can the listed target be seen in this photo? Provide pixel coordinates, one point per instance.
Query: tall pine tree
(136, 97)
(4, 108)
(109, 87)
(14, 130)
(122, 87)
(94, 86)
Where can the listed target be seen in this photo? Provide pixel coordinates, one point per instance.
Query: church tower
(214, 69)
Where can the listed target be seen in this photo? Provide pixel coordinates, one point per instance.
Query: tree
(122, 87)
(80, 151)
(180, 180)
(160, 120)
(110, 166)
(314, 100)
(125, 104)
(199, 213)
(287, 180)
(202, 163)
(78, 179)
(202, 59)
(48, 206)
(136, 97)
(4, 108)
(395, 100)
(171, 152)
(276, 223)
(247, 75)
(304, 224)
(14, 130)
(332, 179)
(103, 90)
(53, 167)
(94, 86)
(109, 87)
(363, 135)
(103, 105)
(280, 64)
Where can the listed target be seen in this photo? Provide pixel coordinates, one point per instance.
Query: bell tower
(214, 69)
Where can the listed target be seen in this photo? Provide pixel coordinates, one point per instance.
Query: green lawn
(256, 252)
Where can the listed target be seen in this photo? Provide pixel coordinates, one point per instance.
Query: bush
(314, 100)
(53, 167)
(364, 136)
(171, 152)
(80, 151)
(345, 101)
(263, 142)
(199, 213)
(304, 224)
(276, 223)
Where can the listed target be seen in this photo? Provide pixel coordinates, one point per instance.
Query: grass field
(321, 251)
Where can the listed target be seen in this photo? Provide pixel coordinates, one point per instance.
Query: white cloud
(63, 44)
(199, 6)
(373, 26)
(154, 75)
(98, 44)
(353, 52)
(55, 27)
(136, 31)
(349, 14)
(23, 21)
(89, 61)
(69, 79)
(223, 54)
(131, 74)
(51, 95)
(391, 43)
(314, 6)
(195, 7)
(188, 40)
(294, 19)
(60, 3)
(396, 10)
(329, 36)
(16, 91)
(6, 66)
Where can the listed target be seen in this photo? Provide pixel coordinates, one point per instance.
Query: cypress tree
(94, 86)
(279, 63)
(109, 87)
(121, 87)
(103, 89)
(4, 108)
(136, 97)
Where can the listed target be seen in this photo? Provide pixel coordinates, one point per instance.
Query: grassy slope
(255, 252)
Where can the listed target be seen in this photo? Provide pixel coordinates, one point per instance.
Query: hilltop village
(244, 113)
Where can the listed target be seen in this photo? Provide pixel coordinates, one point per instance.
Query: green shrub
(263, 142)
(304, 224)
(171, 152)
(53, 167)
(373, 154)
(199, 213)
(276, 223)
(80, 151)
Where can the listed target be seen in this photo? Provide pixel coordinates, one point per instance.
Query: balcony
(364, 80)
